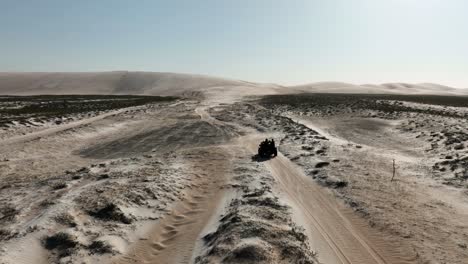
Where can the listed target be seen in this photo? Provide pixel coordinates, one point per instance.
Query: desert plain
(141, 167)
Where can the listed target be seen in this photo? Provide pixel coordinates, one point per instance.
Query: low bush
(100, 247)
(111, 212)
(63, 243)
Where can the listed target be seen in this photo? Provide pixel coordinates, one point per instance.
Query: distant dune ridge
(397, 88)
(149, 83)
(160, 83)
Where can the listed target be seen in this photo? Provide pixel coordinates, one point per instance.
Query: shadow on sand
(259, 158)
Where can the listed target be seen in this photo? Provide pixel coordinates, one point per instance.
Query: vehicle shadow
(259, 158)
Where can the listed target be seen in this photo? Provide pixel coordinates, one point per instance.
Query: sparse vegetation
(251, 253)
(41, 108)
(5, 234)
(62, 243)
(111, 212)
(66, 219)
(257, 228)
(8, 213)
(76, 177)
(59, 185)
(330, 103)
(100, 247)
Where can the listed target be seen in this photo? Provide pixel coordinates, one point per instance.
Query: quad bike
(267, 149)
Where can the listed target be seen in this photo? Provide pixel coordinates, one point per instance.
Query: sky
(273, 41)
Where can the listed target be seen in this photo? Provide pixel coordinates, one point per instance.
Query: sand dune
(148, 83)
(160, 83)
(393, 88)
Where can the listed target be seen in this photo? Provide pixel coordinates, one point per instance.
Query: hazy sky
(288, 42)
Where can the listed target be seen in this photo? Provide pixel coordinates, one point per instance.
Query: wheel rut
(335, 232)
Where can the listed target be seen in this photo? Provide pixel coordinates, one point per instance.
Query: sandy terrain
(420, 205)
(160, 83)
(175, 182)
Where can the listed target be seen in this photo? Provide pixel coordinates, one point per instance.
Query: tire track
(335, 233)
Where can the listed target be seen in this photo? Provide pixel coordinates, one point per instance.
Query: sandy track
(334, 231)
(53, 130)
(173, 239)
